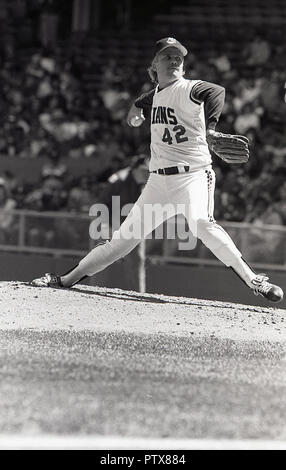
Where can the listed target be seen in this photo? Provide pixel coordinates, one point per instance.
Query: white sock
(244, 271)
(73, 277)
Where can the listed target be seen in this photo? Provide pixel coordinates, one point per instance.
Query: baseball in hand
(136, 121)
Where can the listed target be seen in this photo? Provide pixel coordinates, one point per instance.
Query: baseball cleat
(267, 290)
(48, 280)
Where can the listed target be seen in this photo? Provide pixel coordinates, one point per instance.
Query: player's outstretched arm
(140, 108)
(135, 116)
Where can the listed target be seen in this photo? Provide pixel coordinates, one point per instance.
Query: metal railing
(52, 233)
(62, 234)
(264, 246)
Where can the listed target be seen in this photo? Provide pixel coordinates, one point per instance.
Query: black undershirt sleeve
(145, 102)
(212, 96)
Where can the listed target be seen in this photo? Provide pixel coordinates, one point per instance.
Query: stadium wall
(204, 282)
(29, 170)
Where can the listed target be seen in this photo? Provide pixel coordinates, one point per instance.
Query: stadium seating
(209, 30)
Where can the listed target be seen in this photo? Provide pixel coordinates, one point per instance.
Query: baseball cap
(169, 42)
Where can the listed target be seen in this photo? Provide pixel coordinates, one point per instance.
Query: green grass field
(103, 362)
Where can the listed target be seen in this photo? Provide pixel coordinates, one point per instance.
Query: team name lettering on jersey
(163, 115)
(178, 130)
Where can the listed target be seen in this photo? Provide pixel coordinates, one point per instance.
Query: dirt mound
(109, 310)
(107, 362)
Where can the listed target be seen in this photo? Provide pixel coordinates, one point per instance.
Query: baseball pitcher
(183, 115)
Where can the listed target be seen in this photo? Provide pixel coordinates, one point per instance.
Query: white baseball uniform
(181, 179)
(178, 130)
(178, 139)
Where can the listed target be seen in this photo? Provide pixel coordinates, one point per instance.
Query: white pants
(191, 194)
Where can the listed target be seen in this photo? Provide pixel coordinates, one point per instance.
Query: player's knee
(210, 234)
(203, 227)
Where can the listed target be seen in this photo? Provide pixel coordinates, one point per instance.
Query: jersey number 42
(179, 135)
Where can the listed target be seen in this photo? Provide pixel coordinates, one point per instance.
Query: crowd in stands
(49, 111)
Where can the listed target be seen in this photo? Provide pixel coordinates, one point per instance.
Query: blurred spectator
(270, 91)
(80, 197)
(111, 73)
(11, 182)
(51, 197)
(115, 100)
(246, 91)
(247, 119)
(221, 62)
(257, 52)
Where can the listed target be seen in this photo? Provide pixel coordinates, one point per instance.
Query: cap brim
(182, 49)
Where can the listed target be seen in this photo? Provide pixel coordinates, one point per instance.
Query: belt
(172, 170)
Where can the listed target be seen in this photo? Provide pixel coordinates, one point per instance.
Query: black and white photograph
(143, 227)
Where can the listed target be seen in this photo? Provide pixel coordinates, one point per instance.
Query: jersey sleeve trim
(212, 96)
(193, 96)
(145, 100)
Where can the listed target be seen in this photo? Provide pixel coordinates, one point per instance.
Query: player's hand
(230, 148)
(135, 116)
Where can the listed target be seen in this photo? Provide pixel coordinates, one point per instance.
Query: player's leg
(136, 226)
(200, 217)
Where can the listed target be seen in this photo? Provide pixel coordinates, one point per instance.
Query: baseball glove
(230, 148)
